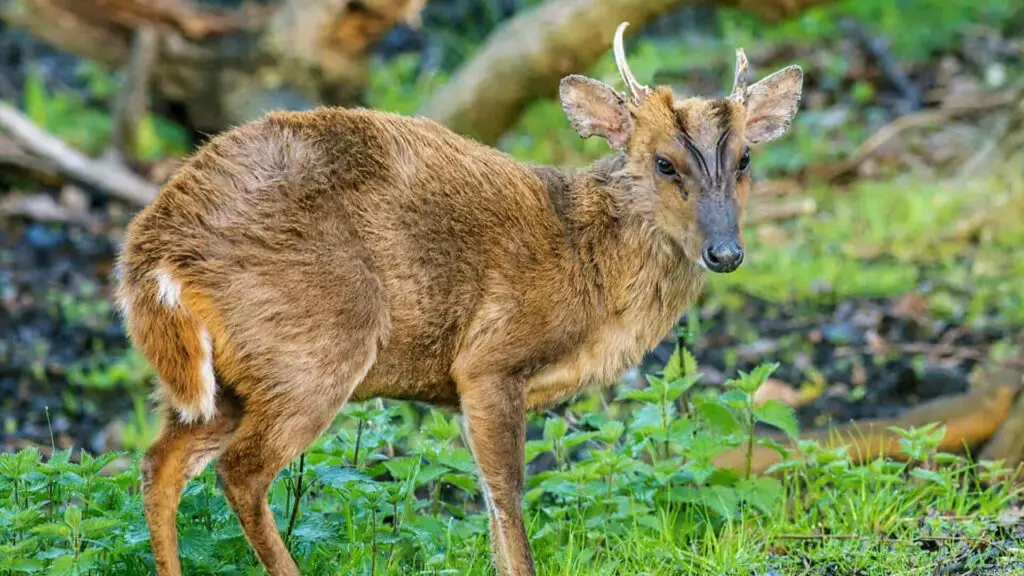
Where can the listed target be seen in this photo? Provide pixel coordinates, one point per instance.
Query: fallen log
(226, 66)
(530, 53)
(970, 420)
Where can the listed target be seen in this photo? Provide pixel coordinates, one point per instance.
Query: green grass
(633, 490)
(957, 242)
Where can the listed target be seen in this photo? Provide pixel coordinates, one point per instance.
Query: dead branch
(931, 117)
(1008, 442)
(191, 21)
(226, 67)
(13, 156)
(531, 52)
(770, 212)
(43, 208)
(112, 178)
(875, 48)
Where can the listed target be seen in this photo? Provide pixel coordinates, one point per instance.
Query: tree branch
(112, 178)
(532, 51)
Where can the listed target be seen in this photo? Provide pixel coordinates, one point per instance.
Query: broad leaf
(778, 414)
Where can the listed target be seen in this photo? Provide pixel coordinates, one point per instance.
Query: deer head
(688, 159)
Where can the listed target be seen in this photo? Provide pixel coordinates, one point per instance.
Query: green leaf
(643, 395)
(337, 477)
(778, 414)
(735, 398)
(674, 368)
(611, 431)
(718, 416)
(55, 529)
(466, 483)
(769, 443)
(63, 565)
(73, 516)
(95, 527)
(312, 528)
(647, 418)
(681, 432)
(555, 428)
(429, 474)
(28, 565)
(721, 499)
(679, 386)
(749, 383)
(761, 492)
(699, 470)
(440, 427)
(689, 362)
(577, 438)
(930, 476)
(535, 448)
(460, 459)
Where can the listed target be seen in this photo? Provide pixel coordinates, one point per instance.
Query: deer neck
(631, 264)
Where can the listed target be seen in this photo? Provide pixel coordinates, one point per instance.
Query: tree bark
(531, 52)
(227, 66)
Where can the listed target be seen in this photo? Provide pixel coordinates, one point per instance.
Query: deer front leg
(494, 425)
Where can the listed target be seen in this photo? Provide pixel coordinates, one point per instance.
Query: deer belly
(589, 367)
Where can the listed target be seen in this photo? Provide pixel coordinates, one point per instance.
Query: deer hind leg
(179, 453)
(277, 426)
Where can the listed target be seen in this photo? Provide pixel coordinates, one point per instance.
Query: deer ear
(772, 104)
(595, 109)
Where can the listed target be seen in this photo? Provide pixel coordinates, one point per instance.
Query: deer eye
(664, 167)
(745, 160)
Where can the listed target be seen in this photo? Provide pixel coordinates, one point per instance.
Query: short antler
(739, 85)
(637, 91)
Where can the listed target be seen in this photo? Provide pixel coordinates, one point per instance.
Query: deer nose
(723, 255)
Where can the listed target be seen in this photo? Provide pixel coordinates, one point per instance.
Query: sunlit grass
(955, 242)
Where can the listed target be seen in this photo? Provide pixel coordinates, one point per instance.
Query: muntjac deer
(308, 259)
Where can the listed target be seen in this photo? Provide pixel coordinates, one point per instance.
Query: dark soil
(876, 357)
(54, 285)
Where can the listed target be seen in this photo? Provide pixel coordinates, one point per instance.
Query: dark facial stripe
(721, 149)
(695, 152)
(720, 114)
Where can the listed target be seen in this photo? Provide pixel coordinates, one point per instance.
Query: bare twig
(980, 540)
(41, 208)
(782, 210)
(933, 351)
(875, 48)
(929, 117)
(114, 179)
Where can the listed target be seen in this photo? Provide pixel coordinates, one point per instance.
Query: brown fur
(339, 255)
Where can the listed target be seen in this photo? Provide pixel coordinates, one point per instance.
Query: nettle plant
(665, 453)
(394, 491)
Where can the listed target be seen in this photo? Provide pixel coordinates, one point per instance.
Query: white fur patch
(206, 408)
(168, 289)
(124, 307)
